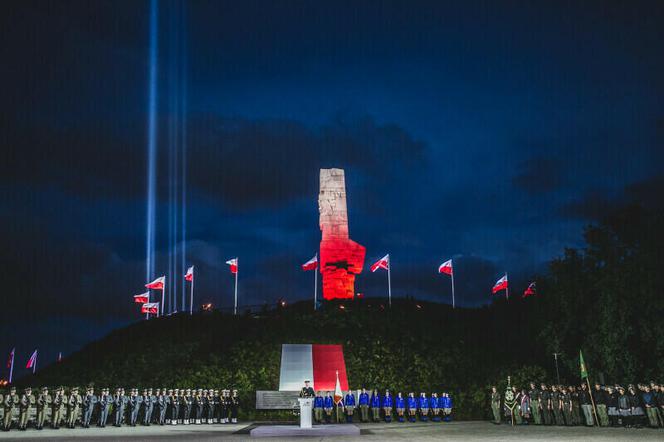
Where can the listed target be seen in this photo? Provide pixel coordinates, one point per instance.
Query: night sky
(490, 132)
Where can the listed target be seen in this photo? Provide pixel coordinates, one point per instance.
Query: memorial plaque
(277, 400)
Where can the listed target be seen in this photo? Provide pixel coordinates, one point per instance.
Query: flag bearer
(434, 405)
(27, 400)
(105, 402)
(387, 406)
(375, 406)
(400, 404)
(328, 404)
(339, 409)
(318, 407)
(412, 407)
(349, 401)
(424, 407)
(43, 403)
(363, 402)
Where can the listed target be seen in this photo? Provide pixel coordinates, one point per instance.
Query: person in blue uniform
(435, 407)
(424, 407)
(447, 407)
(363, 403)
(412, 407)
(375, 406)
(400, 405)
(318, 408)
(349, 401)
(387, 406)
(328, 405)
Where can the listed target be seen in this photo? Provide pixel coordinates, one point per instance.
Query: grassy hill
(412, 346)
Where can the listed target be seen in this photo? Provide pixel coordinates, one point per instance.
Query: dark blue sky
(490, 132)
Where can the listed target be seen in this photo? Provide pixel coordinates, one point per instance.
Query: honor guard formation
(160, 407)
(375, 407)
(606, 406)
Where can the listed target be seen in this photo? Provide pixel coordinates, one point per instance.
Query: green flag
(584, 371)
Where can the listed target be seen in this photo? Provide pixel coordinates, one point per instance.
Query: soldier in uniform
(318, 408)
(586, 405)
(212, 406)
(546, 405)
(235, 407)
(434, 405)
(576, 414)
(566, 400)
(89, 402)
(104, 404)
(349, 400)
(27, 400)
(535, 406)
(387, 406)
(601, 401)
(400, 405)
(9, 402)
(134, 406)
(495, 405)
(660, 403)
(168, 406)
(57, 407)
(307, 390)
(216, 407)
(412, 407)
(118, 407)
(328, 405)
(160, 406)
(73, 405)
(43, 403)
(556, 406)
(195, 407)
(375, 406)
(363, 403)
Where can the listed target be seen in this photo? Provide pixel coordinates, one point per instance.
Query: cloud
(538, 175)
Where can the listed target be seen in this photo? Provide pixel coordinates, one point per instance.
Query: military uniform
(9, 402)
(576, 415)
(586, 406)
(495, 405)
(104, 404)
(73, 406)
(118, 407)
(89, 403)
(57, 408)
(535, 406)
(566, 401)
(547, 406)
(133, 406)
(556, 406)
(235, 407)
(43, 403)
(27, 401)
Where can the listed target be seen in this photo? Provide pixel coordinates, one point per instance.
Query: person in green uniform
(600, 398)
(576, 413)
(57, 408)
(495, 405)
(535, 407)
(43, 404)
(545, 404)
(516, 411)
(73, 405)
(566, 405)
(9, 402)
(556, 406)
(27, 401)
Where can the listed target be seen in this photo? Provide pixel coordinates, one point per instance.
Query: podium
(306, 410)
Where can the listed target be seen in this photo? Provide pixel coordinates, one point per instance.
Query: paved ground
(455, 431)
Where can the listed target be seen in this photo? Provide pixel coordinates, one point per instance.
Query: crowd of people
(636, 406)
(160, 406)
(376, 407)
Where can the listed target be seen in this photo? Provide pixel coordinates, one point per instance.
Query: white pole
(316, 284)
(147, 314)
(11, 368)
(452, 275)
(507, 288)
(237, 270)
(163, 289)
(389, 282)
(191, 295)
(34, 366)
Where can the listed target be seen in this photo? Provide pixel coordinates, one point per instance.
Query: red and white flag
(312, 264)
(338, 394)
(446, 267)
(501, 284)
(10, 364)
(32, 362)
(142, 298)
(382, 263)
(189, 276)
(157, 284)
(531, 290)
(150, 307)
(233, 265)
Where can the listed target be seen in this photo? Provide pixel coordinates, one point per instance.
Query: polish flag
(338, 395)
(501, 284)
(189, 276)
(157, 284)
(142, 298)
(382, 263)
(150, 307)
(317, 363)
(32, 362)
(10, 359)
(531, 290)
(233, 264)
(446, 267)
(312, 264)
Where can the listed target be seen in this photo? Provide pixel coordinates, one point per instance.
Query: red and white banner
(142, 298)
(150, 307)
(501, 284)
(189, 276)
(312, 264)
(382, 263)
(531, 290)
(157, 284)
(233, 265)
(314, 362)
(32, 362)
(446, 267)
(338, 394)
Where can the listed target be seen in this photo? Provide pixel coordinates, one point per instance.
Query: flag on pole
(312, 264)
(446, 267)
(157, 284)
(338, 395)
(382, 263)
(10, 364)
(32, 362)
(150, 307)
(189, 276)
(233, 265)
(531, 290)
(584, 370)
(142, 298)
(501, 284)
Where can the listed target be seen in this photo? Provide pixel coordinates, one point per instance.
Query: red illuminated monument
(340, 257)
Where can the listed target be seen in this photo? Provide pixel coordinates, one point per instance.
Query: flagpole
(316, 283)
(163, 289)
(191, 295)
(507, 288)
(452, 277)
(389, 282)
(147, 313)
(590, 392)
(11, 367)
(237, 270)
(34, 366)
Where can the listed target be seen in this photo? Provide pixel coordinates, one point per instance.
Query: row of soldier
(634, 406)
(160, 406)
